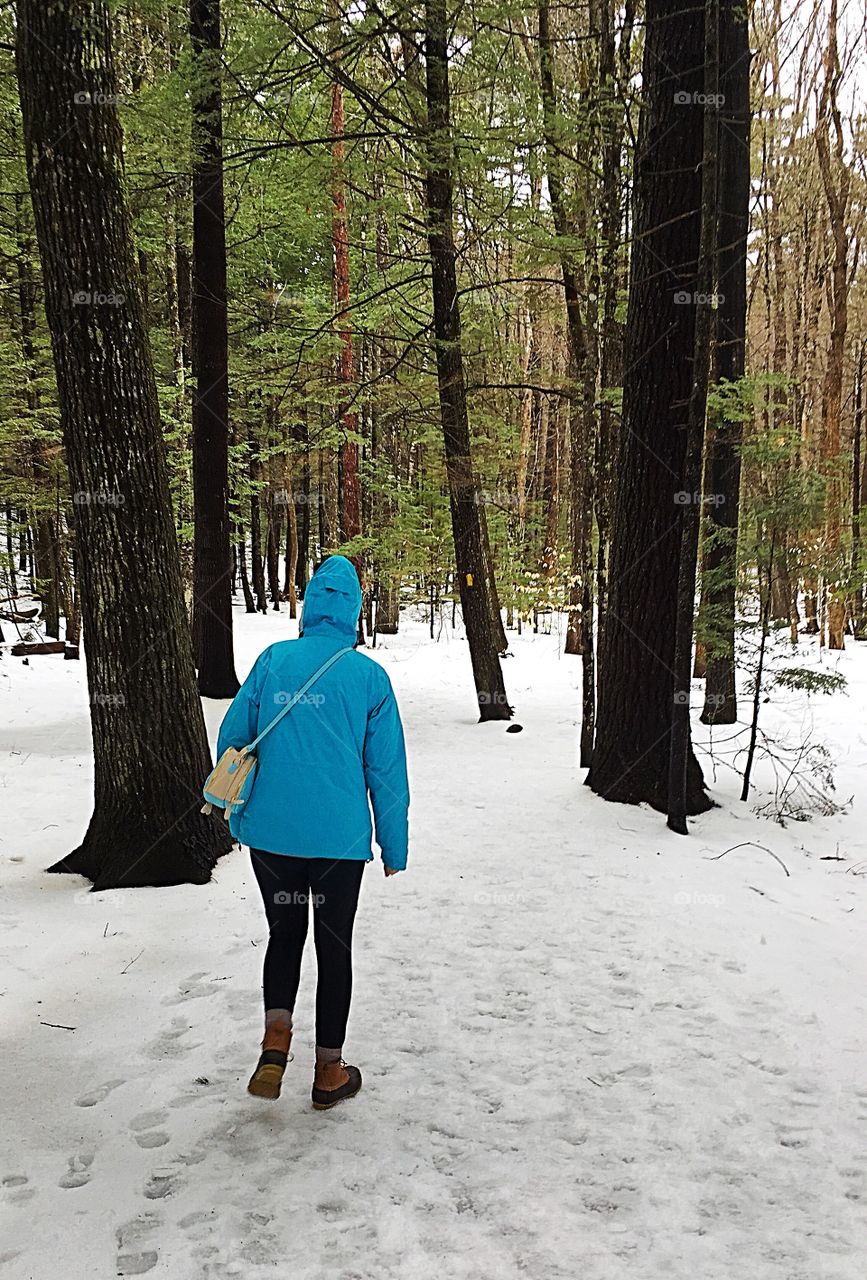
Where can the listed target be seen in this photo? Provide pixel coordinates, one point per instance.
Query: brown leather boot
(333, 1082)
(266, 1080)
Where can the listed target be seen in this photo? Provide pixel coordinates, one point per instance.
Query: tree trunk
(611, 345)
(857, 494)
(388, 608)
(636, 695)
(464, 499)
(241, 558)
(724, 469)
(272, 545)
(10, 555)
(836, 180)
(301, 500)
(680, 748)
(150, 749)
(256, 562)
(291, 557)
(349, 491)
(212, 590)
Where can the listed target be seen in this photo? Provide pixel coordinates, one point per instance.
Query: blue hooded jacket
(341, 742)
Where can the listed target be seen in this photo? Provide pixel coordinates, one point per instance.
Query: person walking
(307, 821)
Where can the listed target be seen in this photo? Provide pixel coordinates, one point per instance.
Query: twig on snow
(744, 844)
(132, 962)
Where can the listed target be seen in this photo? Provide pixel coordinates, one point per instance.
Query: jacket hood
(332, 601)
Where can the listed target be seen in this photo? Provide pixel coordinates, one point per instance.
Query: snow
(590, 1047)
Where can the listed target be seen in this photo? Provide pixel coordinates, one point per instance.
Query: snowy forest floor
(590, 1047)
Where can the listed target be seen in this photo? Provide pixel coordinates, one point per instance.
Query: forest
(550, 318)
(528, 310)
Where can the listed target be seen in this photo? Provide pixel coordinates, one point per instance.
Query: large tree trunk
(631, 755)
(724, 469)
(472, 562)
(680, 749)
(212, 557)
(836, 180)
(613, 125)
(150, 749)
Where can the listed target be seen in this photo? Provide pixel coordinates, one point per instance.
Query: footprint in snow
(167, 1043)
(95, 1096)
(78, 1173)
(194, 988)
(161, 1183)
(146, 1129)
(15, 1188)
(133, 1257)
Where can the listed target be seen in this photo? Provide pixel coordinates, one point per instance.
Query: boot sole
(266, 1082)
(326, 1106)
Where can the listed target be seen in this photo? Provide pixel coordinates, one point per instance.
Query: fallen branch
(753, 843)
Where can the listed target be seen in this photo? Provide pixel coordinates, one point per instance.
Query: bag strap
(284, 711)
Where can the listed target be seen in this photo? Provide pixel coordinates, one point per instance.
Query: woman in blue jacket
(307, 821)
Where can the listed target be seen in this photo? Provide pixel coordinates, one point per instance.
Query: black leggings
(287, 885)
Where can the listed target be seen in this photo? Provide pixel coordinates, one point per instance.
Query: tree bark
(836, 179)
(301, 500)
(350, 495)
(150, 749)
(256, 562)
(241, 556)
(272, 552)
(724, 469)
(680, 748)
(473, 566)
(857, 492)
(212, 589)
(637, 686)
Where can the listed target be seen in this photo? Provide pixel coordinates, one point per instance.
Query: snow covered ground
(590, 1049)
